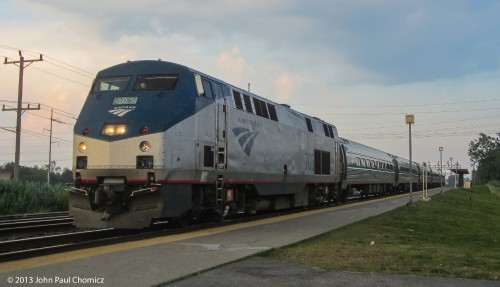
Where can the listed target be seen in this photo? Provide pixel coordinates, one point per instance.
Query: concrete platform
(170, 258)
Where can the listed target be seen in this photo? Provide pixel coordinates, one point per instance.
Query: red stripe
(191, 181)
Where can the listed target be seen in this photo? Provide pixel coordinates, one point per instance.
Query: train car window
(272, 112)
(217, 90)
(111, 84)
(264, 109)
(225, 91)
(155, 82)
(325, 129)
(309, 125)
(330, 129)
(248, 103)
(207, 88)
(260, 108)
(237, 100)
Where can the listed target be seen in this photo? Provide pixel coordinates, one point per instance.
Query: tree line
(39, 174)
(484, 154)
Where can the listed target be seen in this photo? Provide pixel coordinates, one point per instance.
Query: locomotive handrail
(141, 191)
(78, 190)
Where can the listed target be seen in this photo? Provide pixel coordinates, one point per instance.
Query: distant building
(6, 175)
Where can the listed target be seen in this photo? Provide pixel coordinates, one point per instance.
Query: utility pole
(20, 108)
(50, 147)
(52, 120)
(410, 119)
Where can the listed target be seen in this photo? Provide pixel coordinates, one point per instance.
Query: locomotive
(159, 141)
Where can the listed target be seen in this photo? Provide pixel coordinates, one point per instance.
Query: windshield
(111, 84)
(155, 82)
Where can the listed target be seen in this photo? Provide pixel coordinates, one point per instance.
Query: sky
(361, 65)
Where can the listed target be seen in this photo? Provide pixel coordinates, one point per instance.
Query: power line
(425, 123)
(64, 78)
(55, 120)
(396, 106)
(85, 74)
(40, 135)
(60, 112)
(58, 63)
(403, 113)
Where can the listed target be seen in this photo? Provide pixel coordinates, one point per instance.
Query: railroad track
(36, 246)
(14, 224)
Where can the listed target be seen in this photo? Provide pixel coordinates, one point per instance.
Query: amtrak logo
(121, 111)
(245, 138)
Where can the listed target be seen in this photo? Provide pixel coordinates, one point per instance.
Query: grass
(456, 234)
(494, 187)
(28, 197)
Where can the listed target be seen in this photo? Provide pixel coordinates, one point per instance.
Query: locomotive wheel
(183, 220)
(344, 196)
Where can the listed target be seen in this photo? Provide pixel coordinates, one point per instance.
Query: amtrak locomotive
(160, 141)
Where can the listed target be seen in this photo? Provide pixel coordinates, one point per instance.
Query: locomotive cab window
(309, 125)
(156, 82)
(207, 88)
(111, 84)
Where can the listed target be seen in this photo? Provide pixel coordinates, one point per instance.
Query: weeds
(28, 197)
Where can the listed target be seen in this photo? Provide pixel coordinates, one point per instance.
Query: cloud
(322, 53)
(232, 64)
(284, 88)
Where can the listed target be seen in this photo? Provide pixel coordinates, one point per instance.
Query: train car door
(220, 91)
(217, 92)
(206, 151)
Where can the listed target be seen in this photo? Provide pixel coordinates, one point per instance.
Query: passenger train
(159, 141)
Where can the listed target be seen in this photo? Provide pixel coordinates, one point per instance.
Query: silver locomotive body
(157, 140)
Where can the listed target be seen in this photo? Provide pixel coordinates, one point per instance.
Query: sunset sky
(360, 65)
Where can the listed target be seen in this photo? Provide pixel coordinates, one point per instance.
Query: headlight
(109, 130)
(82, 147)
(121, 130)
(145, 146)
(114, 130)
